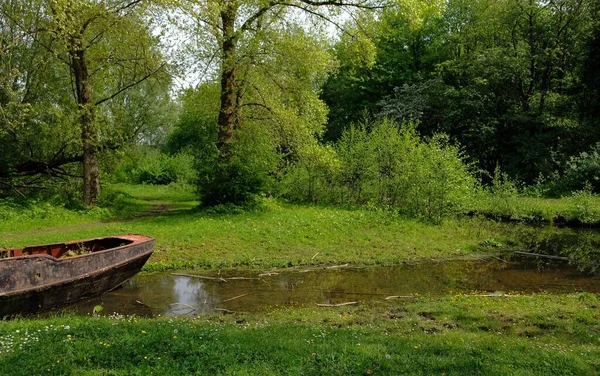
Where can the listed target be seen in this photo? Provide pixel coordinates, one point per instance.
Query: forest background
(417, 106)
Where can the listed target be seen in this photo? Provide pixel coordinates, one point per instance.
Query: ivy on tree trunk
(228, 105)
(89, 133)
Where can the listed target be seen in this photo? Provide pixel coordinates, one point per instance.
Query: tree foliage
(514, 82)
(385, 166)
(266, 95)
(72, 73)
(505, 78)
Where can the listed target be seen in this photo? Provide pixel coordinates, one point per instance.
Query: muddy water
(249, 291)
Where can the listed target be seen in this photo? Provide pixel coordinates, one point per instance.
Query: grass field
(459, 335)
(452, 335)
(280, 234)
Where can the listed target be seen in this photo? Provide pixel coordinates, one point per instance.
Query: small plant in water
(97, 309)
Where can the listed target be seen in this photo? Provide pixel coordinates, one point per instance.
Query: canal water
(234, 290)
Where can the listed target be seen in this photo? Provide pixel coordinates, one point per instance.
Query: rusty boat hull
(43, 277)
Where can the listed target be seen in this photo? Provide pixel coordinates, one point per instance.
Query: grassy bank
(454, 336)
(280, 234)
(579, 210)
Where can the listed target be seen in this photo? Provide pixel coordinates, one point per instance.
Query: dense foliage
(386, 166)
(77, 79)
(510, 80)
(84, 95)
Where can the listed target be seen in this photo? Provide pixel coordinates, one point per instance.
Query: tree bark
(227, 113)
(89, 133)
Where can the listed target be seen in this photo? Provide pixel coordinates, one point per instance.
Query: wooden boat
(48, 276)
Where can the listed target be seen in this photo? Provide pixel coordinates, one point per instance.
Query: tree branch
(363, 4)
(131, 85)
(255, 104)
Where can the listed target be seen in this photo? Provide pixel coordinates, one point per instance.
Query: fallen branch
(337, 305)
(220, 279)
(337, 266)
(542, 256)
(235, 297)
(142, 303)
(268, 274)
(185, 305)
(224, 310)
(400, 297)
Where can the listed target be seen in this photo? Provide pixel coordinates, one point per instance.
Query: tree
(590, 80)
(35, 129)
(510, 84)
(278, 111)
(245, 35)
(81, 32)
(400, 47)
(107, 49)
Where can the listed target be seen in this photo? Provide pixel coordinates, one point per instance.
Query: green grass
(460, 335)
(579, 209)
(33, 215)
(281, 234)
(120, 201)
(178, 197)
(455, 335)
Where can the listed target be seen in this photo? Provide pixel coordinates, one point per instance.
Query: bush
(501, 198)
(144, 165)
(311, 177)
(582, 208)
(579, 171)
(245, 177)
(386, 166)
(113, 200)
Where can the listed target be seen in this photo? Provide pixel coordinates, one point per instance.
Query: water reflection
(168, 294)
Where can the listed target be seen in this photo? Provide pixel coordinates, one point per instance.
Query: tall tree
(241, 31)
(277, 113)
(107, 49)
(96, 38)
(234, 22)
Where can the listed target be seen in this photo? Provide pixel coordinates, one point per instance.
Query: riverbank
(278, 234)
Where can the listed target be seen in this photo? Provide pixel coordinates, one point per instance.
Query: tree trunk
(227, 113)
(89, 134)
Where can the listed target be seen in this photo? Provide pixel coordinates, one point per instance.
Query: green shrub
(386, 166)
(501, 198)
(245, 177)
(579, 171)
(582, 208)
(113, 199)
(144, 165)
(311, 177)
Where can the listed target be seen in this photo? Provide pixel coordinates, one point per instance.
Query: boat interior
(60, 250)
